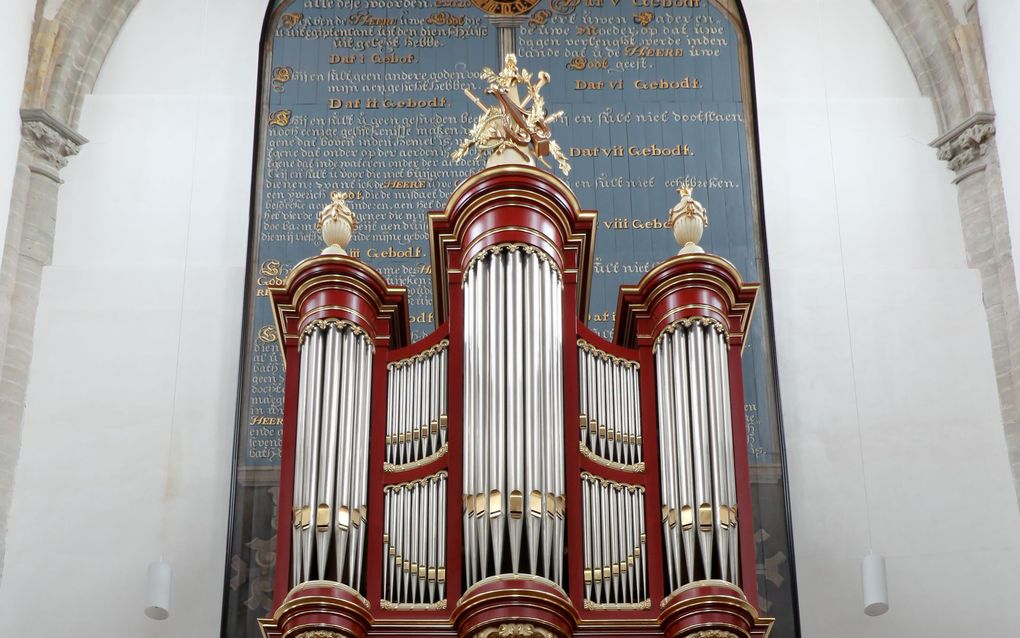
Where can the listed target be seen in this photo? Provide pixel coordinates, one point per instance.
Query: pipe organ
(513, 473)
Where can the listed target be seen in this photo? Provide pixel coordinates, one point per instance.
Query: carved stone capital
(965, 145)
(50, 141)
(514, 630)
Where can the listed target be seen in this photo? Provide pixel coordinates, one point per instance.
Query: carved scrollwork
(713, 633)
(515, 630)
(322, 633)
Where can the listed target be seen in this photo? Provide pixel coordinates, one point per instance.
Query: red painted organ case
(514, 474)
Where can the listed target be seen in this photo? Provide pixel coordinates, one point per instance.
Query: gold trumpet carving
(515, 130)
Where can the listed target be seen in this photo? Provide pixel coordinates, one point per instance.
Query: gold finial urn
(337, 224)
(688, 219)
(515, 130)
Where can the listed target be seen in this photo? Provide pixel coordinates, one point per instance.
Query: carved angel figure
(513, 124)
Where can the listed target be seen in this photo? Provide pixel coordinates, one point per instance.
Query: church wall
(999, 20)
(17, 32)
(887, 384)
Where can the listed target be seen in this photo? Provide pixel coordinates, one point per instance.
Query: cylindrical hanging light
(157, 598)
(876, 592)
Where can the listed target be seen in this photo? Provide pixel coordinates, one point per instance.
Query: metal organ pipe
(513, 405)
(610, 405)
(696, 453)
(330, 469)
(615, 577)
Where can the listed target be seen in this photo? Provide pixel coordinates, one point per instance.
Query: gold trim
(528, 577)
(605, 356)
(593, 606)
(391, 606)
(395, 487)
(421, 356)
(588, 454)
(318, 309)
(511, 247)
(611, 483)
(403, 467)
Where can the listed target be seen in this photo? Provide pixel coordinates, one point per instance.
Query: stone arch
(947, 58)
(66, 52)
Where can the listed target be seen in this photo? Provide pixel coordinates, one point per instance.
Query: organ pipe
(696, 453)
(330, 469)
(514, 505)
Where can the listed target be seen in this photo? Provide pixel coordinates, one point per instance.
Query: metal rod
(497, 408)
(485, 391)
(441, 539)
(469, 426)
(683, 369)
(666, 385)
(533, 444)
(298, 500)
(515, 405)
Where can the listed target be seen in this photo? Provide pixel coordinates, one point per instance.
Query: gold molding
(713, 633)
(591, 456)
(322, 633)
(421, 356)
(514, 630)
(641, 605)
(511, 247)
(391, 606)
(402, 467)
(605, 356)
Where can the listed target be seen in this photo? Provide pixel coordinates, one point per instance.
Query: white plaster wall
(885, 365)
(898, 399)
(129, 426)
(15, 35)
(999, 22)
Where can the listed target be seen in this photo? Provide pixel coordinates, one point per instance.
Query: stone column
(969, 149)
(46, 145)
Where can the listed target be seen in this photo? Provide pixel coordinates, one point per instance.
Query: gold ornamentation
(623, 467)
(290, 19)
(339, 324)
(539, 19)
(410, 485)
(611, 483)
(401, 467)
(385, 604)
(505, 7)
(283, 73)
(605, 356)
(592, 606)
(268, 334)
(708, 322)
(280, 118)
(421, 356)
(322, 633)
(514, 630)
(513, 125)
(644, 18)
(512, 248)
(713, 633)
(270, 268)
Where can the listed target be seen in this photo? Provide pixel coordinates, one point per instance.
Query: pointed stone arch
(66, 53)
(947, 57)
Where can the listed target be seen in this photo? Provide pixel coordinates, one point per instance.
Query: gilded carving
(516, 126)
(713, 633)
(514, 630)
(322, 633)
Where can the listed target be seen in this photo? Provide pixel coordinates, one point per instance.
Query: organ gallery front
(513, 473)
